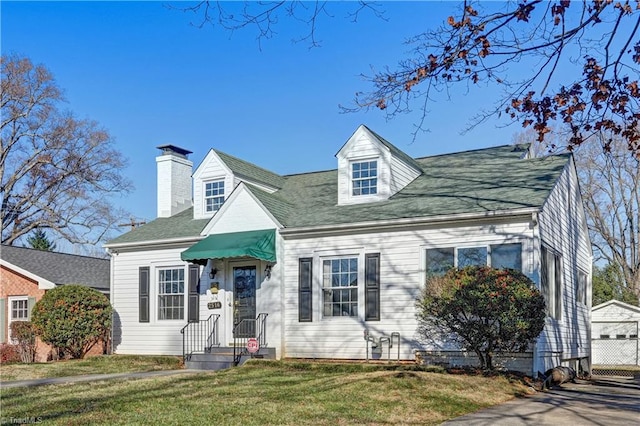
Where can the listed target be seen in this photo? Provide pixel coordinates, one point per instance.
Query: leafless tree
(56, 172)
(610, 190)
(610, 186)
(263, 16)
(581, 59)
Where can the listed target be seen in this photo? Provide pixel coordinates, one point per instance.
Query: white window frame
(456, 247)
(10, 318)
(217, 199)
(352, 179)
(328, 290)
(581, 286)
(156, 294)
(554, 279)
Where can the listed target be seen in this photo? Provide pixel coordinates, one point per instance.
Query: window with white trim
(364, 178)
(581, 287)
(440, 260)
(171, 294)
(213, 195)
(340, 287)
(551, 281)
(20, 309)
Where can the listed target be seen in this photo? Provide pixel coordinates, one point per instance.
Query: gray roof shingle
(60, 268)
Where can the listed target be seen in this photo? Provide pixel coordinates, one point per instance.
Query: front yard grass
(92, 365)
(268, 392)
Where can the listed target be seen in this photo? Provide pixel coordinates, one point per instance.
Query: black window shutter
(372, 287)
(305, 308)
(194, 293)
(143, 294)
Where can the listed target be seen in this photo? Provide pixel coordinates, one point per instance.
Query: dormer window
(364, 178)
(213, 195)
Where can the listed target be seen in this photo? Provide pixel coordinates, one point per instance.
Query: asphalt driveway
(606, 401)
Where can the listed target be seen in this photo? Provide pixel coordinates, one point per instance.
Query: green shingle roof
(180, 225)
(250, 171)
(479, 181)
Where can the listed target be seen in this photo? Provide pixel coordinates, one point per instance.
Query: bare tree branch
(56, 172)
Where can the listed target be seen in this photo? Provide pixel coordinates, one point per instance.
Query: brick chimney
(174, 180)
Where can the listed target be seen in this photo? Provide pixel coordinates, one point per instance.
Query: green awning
(257, 244)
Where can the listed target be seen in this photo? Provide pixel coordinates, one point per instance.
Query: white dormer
(212, 184)
(216, 178)
(371, 169)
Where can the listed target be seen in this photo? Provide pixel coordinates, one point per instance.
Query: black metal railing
(249, 329)
(200, 336)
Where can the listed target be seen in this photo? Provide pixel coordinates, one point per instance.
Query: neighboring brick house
(26, 274)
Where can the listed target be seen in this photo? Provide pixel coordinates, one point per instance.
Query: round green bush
(72, 318)
(487, 310)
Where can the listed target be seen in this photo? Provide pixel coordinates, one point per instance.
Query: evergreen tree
(40, 241)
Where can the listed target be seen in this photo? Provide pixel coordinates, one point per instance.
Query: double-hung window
(340, 286)
(581, 287)
(18, 310)
(551, 281)
(213, 195)
(171, 294)
(364, 178)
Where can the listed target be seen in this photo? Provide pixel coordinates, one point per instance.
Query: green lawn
(267, 392)
(91, 365)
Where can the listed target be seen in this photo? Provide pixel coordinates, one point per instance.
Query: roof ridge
(470, 150)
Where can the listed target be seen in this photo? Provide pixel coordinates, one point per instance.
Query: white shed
(615, 334)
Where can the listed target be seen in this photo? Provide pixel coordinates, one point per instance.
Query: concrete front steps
(222, 358)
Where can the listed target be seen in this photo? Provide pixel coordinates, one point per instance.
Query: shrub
(24, 334)
(8, 353)
(72, 318)
(486, 310)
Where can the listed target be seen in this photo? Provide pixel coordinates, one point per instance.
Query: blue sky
(150, 78)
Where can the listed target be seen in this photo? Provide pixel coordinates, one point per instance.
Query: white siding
(241, 213)
(210, 170)
(163, 337)
(131, 336)
(562, 227)
(362, 148)
(401, 175)
(402, 275)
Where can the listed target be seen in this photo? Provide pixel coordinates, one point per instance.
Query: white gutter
(390, 224)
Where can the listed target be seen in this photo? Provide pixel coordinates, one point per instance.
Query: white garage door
(615, 343)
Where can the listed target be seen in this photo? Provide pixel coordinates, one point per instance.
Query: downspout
(535, 263)
(111, 294)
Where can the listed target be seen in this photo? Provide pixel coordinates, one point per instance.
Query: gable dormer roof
(245, 170)
(369, 161)
(395, 151)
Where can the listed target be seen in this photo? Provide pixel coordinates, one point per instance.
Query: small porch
(238, 292)
(201, 348)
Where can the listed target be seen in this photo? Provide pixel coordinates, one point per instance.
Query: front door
(244, 300)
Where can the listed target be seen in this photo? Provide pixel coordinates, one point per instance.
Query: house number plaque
(214, 305)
